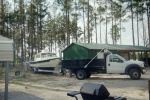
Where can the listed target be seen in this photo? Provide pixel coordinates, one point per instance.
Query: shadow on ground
(17, 95)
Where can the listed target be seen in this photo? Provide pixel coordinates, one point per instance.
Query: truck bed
(96, 63)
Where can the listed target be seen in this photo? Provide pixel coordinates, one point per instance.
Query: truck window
(114, 58)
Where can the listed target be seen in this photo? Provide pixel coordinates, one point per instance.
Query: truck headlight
(146, 65)
(142, 65)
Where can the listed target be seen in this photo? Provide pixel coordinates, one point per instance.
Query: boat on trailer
(45, 61)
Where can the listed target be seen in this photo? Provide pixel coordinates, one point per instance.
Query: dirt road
(52, 86)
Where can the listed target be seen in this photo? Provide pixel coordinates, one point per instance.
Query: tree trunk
(137, 29)
(106, 42)
(88, 24)
(67, 27)
(132, 23)
(21, 30)
(95, 21)
(112, 23)
(84, 25)
(1, 17)
(120, 26)
(100, 31)
(41, 45)
(96, 27)
(143, 29)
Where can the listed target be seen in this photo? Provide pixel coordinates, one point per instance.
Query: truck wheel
(135, 74)
(80, 74)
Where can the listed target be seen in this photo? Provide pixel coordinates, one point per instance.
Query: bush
(23, 75)
(2, 71)
(16, 68)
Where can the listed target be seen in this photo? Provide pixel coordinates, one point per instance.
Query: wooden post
(69, 73)
(6, 80)
(149, 88)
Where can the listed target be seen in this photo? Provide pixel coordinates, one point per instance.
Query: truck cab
(117, 64)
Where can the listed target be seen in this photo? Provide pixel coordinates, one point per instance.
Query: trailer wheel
(34, 70)
(80, 74)
(135, 74)
(60, 70)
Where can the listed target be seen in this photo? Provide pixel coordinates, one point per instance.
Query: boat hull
(45, 64)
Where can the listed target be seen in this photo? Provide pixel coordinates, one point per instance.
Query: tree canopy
(38, 24)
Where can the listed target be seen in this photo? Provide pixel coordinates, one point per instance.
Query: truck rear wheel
(80, 74)
(135, 74)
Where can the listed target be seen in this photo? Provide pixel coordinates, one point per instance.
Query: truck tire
(81, 74)
(135, 74)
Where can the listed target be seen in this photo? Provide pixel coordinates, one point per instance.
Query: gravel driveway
(52, 86)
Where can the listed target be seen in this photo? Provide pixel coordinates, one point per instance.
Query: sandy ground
(52, 86)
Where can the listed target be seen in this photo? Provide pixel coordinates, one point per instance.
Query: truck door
(114, 64)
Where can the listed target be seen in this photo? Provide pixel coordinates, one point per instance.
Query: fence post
(149, 88)
(6, 80)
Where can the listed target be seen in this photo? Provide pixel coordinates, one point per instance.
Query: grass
(23, 75)
(2, 71)
(18, 68)
(12, 72)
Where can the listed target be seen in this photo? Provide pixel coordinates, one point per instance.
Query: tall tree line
(36, 24)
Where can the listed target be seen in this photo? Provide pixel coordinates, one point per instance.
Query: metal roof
(113, 47)
(4, 39)
(6, 44)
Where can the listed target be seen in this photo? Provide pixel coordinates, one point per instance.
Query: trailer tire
(34, 70)
(81, 74)
(135, 74)
(61, 70)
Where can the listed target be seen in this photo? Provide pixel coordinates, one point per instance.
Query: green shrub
(2, 71)
(15, 68)
(23, 75)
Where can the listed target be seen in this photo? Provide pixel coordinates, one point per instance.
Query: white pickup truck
(105, 63)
